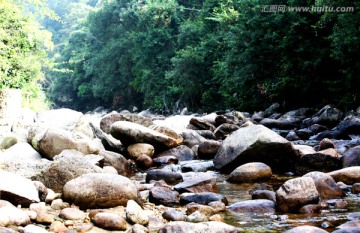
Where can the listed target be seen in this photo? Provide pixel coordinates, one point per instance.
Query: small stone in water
(326, 225)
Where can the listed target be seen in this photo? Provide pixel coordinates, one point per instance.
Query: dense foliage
(23, 46)
(206, 55)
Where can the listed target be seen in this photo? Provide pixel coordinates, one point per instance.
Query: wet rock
(350, 125)
(100, 191)
(349, 175)
(197, 183)
(68, 165)
(353, 216)
(52, 141)
(355, 188)
(110, 221)
(250, 172)
(208, 227)
(222, 131)
(264, 194)
(137, 149)
(253, 206)
(182, 153)
(135, 214)
(164, 196)
(109, 119)
(309, 209)
(351, 157)
(258, 144)
(163, 160)
(332, 134)
(173, 215)
(352, 224)
(325, 185)
(203, 198)
(292, 136)
(296, 193)
(317, 162)
(304, 134)
(144, 162)
(306, 229)
(10, 215)
(130, 133)
(72, 214)
(198, 166)
(168, 177)
(118, 161)
(17, 189)
(208, 149)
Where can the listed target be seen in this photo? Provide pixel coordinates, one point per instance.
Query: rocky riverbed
(63, 171)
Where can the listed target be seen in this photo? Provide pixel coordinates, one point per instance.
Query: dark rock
(208, 149)
(326, 143)
(292, 136)
(325, 185)
(304, 134)
(197, 182)
(329, 116)
(316, 128)
(250, 172)
(264, 194)
(260, 187)
(144, 161)
(257, 144)
(182, 153)
(317, 162)
(351, 157)
(332, 134)
(253, 206)
(198, 166)
(355, 188)
(192, 138)
(166, 159)
(222, 131)
(164, 196)
(350, 125)
(203, 198)
(202, 124)
(272, 109)
(173, 215)
(208, 134)
(309, 209)
(168, 177)
(277, 123)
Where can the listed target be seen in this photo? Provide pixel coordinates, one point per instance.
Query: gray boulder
(260, 206)
(351, 157)
(350, 125)
(255, 143)
(100, 190)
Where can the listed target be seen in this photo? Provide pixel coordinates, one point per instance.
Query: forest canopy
(205, 55)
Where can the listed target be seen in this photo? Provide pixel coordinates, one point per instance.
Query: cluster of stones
(60, 173)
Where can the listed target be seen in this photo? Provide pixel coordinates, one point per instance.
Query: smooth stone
(250, 172)
(306, 229)
(208, 227)
(110, 221)
(203, 198)
(135, 214)
(72, 214)
(173, 215)
(253, 206)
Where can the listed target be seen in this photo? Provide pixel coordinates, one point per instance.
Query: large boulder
(111, 118)
(349, 175)
(325, 185)
(208, 227)
(320, 161)
(66, 119)
(296, 193)
(329, 116)
(52, 141)
(100, 190)
(167, 176)
(17, 189)
(351, 157)
(350, 125)
(250, 172)
(197, 182)
(255, 143)
(130, 133)
(19, 152)
(66, 166)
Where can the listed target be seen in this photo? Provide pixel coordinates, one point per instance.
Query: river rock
(350, 125)
(208, 134)
(130, 133)
(192, 138)
(306, 229)
(109, 119)
(118, 161)
(13, 216)
(99, 190)
(264, 194)
(319, 161)
(208, 227)
(203, 209)
(223, 130)
(255, 143)
(182, 153)
(351, 157)
(197, 183)
(325, 185)
(250, 172)
(329, 116)
(7, 230)
(203, 198)
(20, 151)
(277, 123)
(164, 196)
(349, 175)
(144, 162)
(66, 119)
(58, 227)
(208, 149)
(167, 176)
(253, 206)
(351, 224)
(135, 214)
(198, 166)
(52, 141)
(173, 215)
(72, 214)
(110, 221)
(202, 124)
(68, 165)
(42, 213)
(137, 149)
(168, 132)
(34, 229)
(355, 188)
(197, 217)
(17, 189)
(332, 134)
(163, 160)
(296, 193)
